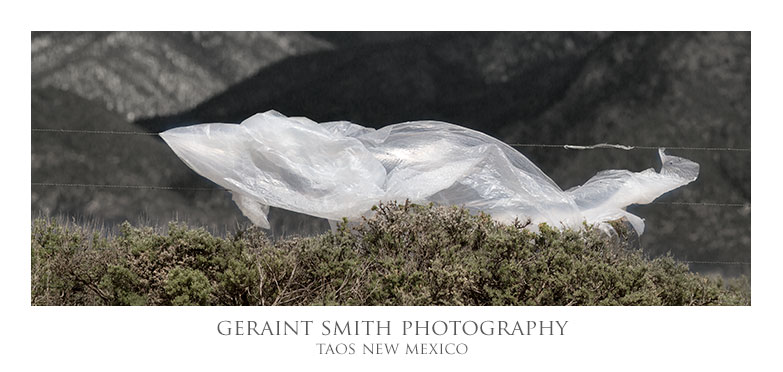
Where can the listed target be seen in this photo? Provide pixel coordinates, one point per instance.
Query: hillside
(479, 80)
(143, 74)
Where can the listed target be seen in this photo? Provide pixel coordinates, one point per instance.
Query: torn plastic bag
(271, 160)
(340, 169)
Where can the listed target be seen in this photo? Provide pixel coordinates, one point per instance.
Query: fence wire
(529, 145)
(628, 147)
(541, 145)
(80, 131)
(717, 262)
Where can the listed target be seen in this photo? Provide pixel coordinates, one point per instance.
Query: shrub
(185, 286)
(404, 254)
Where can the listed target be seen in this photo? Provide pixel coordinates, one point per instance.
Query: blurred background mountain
(643, 89)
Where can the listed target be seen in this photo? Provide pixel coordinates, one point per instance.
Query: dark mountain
(142, 74)
(644, 89)
(481, 80)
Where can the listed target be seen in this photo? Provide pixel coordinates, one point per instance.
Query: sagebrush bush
(404, 254)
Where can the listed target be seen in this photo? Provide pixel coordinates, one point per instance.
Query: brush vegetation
(404, 254)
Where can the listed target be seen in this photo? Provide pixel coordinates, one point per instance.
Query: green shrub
(186, 286)
(405, 254)
(121, 286)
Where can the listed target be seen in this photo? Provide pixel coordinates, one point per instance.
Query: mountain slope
(142, 74)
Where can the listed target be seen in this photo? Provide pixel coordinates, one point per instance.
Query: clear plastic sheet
(340, 169)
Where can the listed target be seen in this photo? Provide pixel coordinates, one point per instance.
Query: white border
(178, 338)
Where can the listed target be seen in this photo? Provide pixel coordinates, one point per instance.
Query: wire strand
(540, 145)
(142, 187)
(532, 145)
(80, 131)
(627, 147)
(706, 204)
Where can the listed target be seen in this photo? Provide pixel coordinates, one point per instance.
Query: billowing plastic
(340, 169)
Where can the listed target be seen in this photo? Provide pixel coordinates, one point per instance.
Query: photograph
(395, 168)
